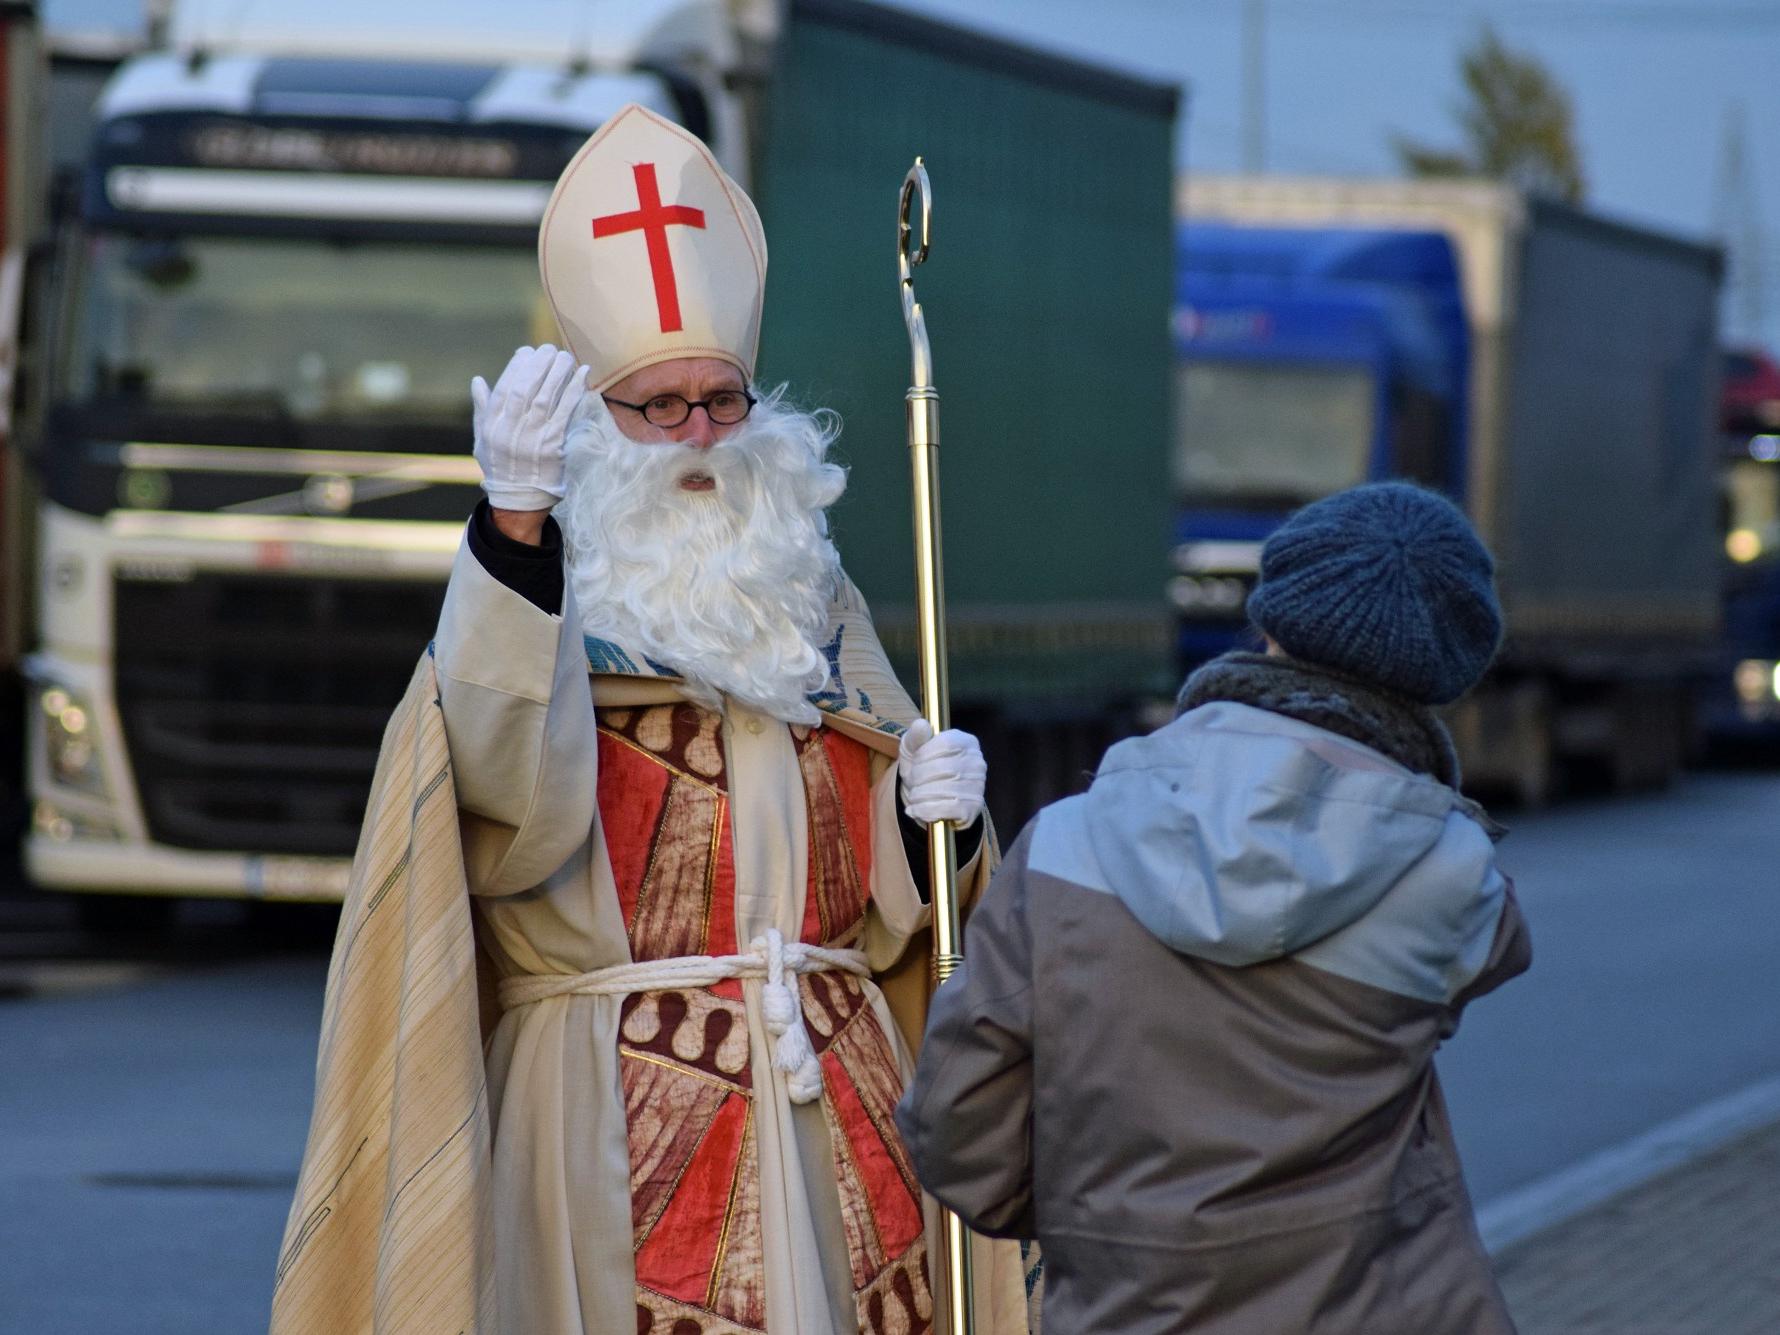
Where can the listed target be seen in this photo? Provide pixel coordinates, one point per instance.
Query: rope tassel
(783, 1015)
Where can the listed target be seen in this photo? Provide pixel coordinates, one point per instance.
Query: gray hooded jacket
(1191, 1049)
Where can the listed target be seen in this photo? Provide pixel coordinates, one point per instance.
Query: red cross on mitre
(652, 219)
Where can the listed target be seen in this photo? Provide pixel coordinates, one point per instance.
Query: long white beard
(729, 587)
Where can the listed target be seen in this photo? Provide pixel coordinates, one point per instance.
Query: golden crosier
(930, 601)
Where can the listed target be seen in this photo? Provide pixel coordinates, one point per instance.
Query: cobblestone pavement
(1695, 1252)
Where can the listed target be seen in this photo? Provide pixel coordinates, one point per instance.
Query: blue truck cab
(1308, 360)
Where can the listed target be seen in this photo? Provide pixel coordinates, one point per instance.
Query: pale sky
(1655, 84)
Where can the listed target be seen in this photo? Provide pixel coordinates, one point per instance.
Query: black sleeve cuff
(914, 847)
(535, 573)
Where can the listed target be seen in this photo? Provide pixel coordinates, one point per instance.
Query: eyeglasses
(726, 407)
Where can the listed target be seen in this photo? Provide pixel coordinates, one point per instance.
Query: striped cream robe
(469, 1170)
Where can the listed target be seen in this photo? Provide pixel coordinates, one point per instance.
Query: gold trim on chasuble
(685, 1070)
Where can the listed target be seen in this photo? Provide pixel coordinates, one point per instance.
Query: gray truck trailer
(1583, 449)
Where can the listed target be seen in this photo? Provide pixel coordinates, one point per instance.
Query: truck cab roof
(559, 33)
(1287, 254)
(376, 89)
(1370, 296)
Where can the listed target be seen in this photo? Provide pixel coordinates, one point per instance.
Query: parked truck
(1742, 701)
(1554, 372)
(22, 182)
(298, 231)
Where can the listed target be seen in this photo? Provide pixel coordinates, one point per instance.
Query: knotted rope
(770, 958)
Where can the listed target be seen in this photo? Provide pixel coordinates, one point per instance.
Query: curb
(1571, 1191)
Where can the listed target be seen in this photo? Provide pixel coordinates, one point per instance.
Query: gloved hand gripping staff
(923, 417)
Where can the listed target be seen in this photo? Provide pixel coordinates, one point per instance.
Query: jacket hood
(1238, 835)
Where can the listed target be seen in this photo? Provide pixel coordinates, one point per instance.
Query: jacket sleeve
(535, 572)
(519, 718)
(966, 844)
(967, 1115)
(1511, 952)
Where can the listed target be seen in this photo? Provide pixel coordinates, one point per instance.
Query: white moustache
(728, 583)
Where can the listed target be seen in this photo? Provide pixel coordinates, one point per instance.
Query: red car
(1749, 404)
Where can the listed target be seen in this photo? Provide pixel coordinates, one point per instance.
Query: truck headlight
(70, 740)
(1757, 681)
(1742, 545)
(1218, 596)
(54, 823)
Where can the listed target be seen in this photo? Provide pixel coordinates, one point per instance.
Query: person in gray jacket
(1191, 1048)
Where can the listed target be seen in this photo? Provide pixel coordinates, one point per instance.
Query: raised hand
(521, 425)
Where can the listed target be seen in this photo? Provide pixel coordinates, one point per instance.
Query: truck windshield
(299, 330)
(1270, 434)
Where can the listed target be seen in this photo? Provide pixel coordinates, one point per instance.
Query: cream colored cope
(520, 718)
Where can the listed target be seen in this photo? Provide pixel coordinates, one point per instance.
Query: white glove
(521, 425)
(942, 777)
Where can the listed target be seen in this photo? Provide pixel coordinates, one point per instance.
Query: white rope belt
(769, 957)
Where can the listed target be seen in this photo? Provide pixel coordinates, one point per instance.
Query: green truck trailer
(296, 236)
(1048, 301)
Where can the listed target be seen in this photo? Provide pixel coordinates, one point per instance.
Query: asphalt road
(153, 1108)
(149, 1138)
(1654, 986)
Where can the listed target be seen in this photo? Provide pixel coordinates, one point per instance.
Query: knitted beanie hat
(1387, 582)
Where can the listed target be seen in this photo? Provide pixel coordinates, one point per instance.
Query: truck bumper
(207, 706)
(91, 866)
(1744, 704)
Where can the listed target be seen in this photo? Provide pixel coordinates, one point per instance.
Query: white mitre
(649, 252)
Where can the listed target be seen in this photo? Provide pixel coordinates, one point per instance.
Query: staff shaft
(942, 859)
(930, 612)
(930, 615)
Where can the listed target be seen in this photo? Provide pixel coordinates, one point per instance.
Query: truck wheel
(13, 806)
(1505, 739)
(282, 925)
(1535, 773)
(125, 915)
(1649, 727)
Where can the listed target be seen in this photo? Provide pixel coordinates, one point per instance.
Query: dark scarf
(1407, 732)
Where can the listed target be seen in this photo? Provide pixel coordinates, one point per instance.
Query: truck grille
(253, 705)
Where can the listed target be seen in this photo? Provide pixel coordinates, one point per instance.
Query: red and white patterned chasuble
(684, 1058)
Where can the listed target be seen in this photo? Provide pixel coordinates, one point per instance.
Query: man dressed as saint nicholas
(688, 789)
